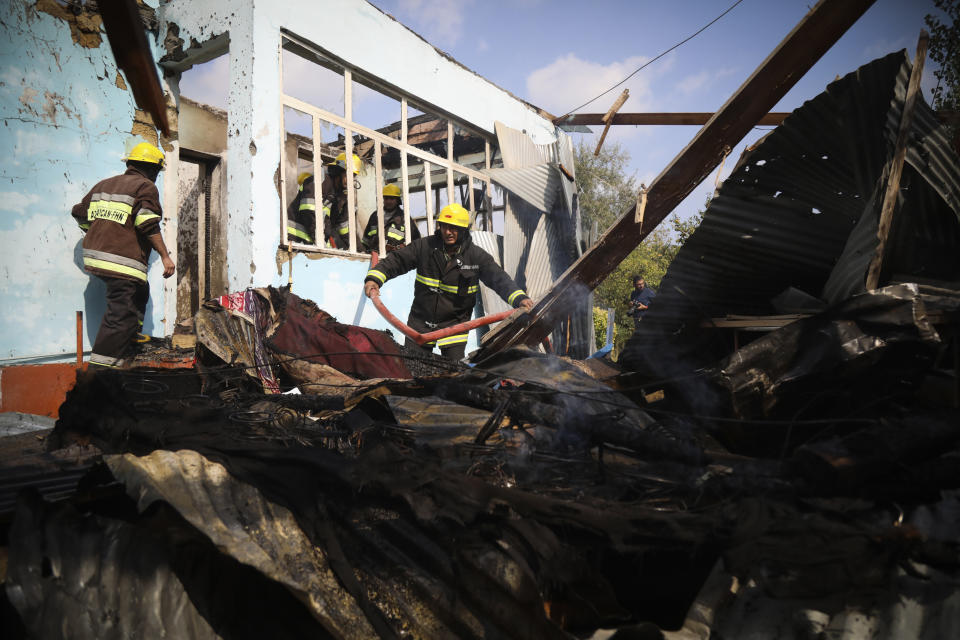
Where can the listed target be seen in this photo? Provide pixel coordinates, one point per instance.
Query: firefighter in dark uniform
(450, 269)
(394, 228)
(336, 217)
(302, 212)
(121, 217)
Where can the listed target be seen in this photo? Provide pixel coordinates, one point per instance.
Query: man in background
(640, 299)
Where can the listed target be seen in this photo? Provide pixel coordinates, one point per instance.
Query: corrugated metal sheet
(538, 185)
(800, 209)
(538, 248)
(492, 303)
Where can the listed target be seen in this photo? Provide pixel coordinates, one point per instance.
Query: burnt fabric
(305, 331)
(126, 305)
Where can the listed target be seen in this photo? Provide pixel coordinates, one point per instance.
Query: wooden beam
(131, 50)
(609, 116)
(792, 58)
(654, 118)
(896, 164)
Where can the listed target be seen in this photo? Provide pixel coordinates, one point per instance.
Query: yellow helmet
(303, 176)
(392, 191)
(456, 215)
(146, 152)
(341, 161)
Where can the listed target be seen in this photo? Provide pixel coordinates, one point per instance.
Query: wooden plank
(428, 192)
(451, 192)
(802, 47)
(404, 171)
(131, 50)
(339, 121)
(896, 164)
(348, 159)
(319, 236)
(609, 116)
(378, 167)
(698, 118)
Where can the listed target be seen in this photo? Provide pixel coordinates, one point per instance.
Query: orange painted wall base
(38, 389)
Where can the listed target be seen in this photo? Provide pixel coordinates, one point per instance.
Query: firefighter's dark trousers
(126, 305)
(453, 352)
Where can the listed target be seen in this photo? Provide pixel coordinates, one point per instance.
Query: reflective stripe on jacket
(118, 215)
(446, 287)
(302, 214)
(394, 229)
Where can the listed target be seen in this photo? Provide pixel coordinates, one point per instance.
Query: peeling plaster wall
(67, 116)
(254, 137)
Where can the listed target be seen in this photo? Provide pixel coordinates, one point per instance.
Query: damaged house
(784, 465)
(300, 93)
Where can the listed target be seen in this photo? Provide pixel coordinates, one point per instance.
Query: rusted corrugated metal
(801, 209)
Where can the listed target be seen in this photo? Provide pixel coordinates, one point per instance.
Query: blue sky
(558, 54)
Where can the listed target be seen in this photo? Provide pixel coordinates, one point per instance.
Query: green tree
(606, 193)
(606, 190)
(944, 49)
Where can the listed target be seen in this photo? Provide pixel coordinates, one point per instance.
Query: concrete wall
(202, 127)
(68, 118)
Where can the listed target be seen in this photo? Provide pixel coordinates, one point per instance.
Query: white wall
(66, 126)
(415, 67)
(68, 120)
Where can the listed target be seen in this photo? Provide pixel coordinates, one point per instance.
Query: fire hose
(423, 338)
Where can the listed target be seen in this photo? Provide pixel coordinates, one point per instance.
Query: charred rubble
(796, 479)
(527, 496)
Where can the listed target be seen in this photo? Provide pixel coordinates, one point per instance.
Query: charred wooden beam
(698, 118)
(808, 41)
(895, 167)
(121, 20)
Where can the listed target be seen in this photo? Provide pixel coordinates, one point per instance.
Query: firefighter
(120, 218)
(302, 212)
(336, 217)
(394, 227)
(450, 269)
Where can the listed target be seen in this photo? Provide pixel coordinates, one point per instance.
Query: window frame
(351, 128)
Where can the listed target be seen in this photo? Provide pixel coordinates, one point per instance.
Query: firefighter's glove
(527, 304)
(371, 288)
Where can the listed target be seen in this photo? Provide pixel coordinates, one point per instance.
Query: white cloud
(17, 202)
(439, 21)
(569, 81)
(694, 83)
(208, 83)
(702, 80)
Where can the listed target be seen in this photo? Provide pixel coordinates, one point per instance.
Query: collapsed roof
(795, 226)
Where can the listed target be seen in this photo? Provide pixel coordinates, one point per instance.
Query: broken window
(340, 112)
(198, 212)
